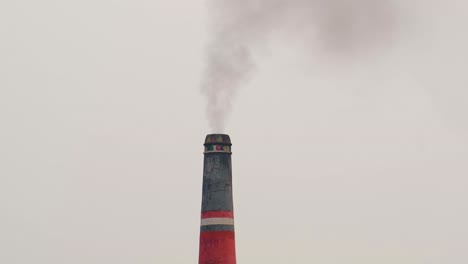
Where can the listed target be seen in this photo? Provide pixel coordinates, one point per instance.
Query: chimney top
(218, 139)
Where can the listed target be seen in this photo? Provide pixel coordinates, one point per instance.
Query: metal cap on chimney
(217, 143)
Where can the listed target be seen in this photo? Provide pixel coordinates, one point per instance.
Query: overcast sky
(336, 160)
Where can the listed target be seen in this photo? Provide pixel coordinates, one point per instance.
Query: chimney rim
(218, 139)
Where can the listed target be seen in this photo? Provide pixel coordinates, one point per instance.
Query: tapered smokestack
(217, 239)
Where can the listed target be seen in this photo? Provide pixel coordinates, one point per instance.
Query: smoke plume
(340, 27)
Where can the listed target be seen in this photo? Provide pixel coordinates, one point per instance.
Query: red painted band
(217, 247)
(217, 214)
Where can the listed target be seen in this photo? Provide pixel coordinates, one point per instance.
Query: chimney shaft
(217, 239)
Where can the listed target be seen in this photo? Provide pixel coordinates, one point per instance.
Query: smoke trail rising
(338, 26)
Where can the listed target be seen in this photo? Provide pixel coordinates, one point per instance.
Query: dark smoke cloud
(341, 27)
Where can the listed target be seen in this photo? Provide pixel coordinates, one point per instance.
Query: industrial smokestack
(217, 239)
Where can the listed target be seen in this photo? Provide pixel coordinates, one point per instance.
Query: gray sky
(336, 160)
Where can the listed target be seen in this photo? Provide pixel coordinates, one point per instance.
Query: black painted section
(216, 228)
(217, 182)
(218, 139)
